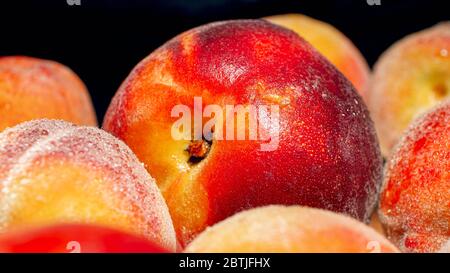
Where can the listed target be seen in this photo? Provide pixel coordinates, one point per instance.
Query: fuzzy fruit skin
(54, 172)
(410, 77)
(328, 154)
(32, 88)
(332, 43)
(414, 203)
(291, 229)
(67, 238)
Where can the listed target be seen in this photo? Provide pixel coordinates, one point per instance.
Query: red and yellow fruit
(54, 172)
(332, 43)
(290, 229)
(74, 238)
(415, 201)
(411, 77)
(327, 157)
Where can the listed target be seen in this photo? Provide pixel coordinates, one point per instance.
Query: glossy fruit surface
(74, 238)
(327, 154)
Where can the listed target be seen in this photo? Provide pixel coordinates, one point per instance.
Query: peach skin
(415, 201)
(326, 153)
(54, 172)
(411, 77)
(32, 88)
(332, 43)
(290, 229)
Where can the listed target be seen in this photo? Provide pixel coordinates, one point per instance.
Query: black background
(102, 40)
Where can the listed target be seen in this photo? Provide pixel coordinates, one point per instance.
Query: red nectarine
(327, 155)
(74, 238)
(332, 43)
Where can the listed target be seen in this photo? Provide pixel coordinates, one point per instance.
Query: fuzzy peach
(74, 238)
(326, 156)
(55, 172)
(32, 88)
(290, 229)
(332, 43)
(411, 77)
(415, 201)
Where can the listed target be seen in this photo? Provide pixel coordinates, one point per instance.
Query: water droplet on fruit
(444, 52)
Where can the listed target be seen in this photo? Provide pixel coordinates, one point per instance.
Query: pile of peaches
(68, 186)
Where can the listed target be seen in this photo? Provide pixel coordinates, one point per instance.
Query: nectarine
(327, 154)
(290, 229)
(54, 172)
(74, 238)
(332, 43)
(32, 88)
(415, 201)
